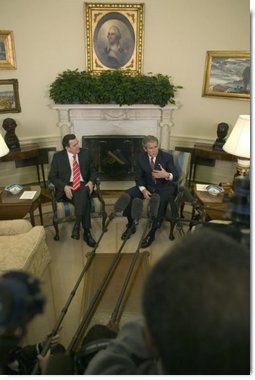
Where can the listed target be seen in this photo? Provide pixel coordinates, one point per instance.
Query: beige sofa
(23, 247)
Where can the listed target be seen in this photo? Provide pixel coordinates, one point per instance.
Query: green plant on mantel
(119, 87)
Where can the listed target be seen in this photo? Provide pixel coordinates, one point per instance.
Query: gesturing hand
(146, 194)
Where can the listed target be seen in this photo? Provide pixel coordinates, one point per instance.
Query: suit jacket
(143, 171)
(60, 171)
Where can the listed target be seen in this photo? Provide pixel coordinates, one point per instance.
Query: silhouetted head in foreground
(196, 304)
(21, 299)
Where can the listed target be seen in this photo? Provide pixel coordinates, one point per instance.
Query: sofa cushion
(25, 251)
(15, 226)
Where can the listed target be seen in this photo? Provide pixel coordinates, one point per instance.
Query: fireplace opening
(114, 155)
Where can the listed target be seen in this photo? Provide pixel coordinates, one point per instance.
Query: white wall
(49, 38)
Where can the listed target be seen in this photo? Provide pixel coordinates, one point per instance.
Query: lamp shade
(3, 147)
(238, 142)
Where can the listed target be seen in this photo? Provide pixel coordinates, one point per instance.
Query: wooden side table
(213, 206)
(24, 153)
(202, 150)
(12, 207)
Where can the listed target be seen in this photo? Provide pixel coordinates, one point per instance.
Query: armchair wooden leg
(171, 233)
(55, 224)
(181, 210)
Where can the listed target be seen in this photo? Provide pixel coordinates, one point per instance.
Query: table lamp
(238, 144)
(3, 147)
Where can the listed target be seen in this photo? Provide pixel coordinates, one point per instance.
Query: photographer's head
(196, 304)
(20, 300)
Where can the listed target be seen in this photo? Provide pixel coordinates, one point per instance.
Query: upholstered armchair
(64, 211)
(182, 160)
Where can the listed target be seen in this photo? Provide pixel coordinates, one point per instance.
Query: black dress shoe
(148, 240)
(88, 238)
(126, 232)
(76, 232)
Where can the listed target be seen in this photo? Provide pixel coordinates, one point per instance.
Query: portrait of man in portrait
(114, 40)
(114, 37)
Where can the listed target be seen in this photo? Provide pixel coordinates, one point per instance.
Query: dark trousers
(82, 205)
(167, 195)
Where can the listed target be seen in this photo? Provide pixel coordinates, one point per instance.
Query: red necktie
(76, 174)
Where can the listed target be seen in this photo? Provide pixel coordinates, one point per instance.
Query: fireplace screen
(114, 156)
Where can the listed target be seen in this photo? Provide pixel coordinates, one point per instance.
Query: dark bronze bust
(222, 131)
(12, 141)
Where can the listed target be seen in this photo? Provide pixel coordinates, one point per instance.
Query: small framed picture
(227, 74)
(114, 36)
(7, 52)
(9, 96)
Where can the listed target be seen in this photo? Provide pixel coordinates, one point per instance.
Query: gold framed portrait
(227, 74)
(114, 37)
(7, 52)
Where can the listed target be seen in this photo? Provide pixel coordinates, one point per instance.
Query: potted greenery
(74, 87)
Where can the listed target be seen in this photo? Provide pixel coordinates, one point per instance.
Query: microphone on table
(136, 212)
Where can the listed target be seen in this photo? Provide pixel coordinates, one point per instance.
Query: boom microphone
(180, 197)
(153, 206)
(136, 210)
(152, 213)
(120, 205)
(189, 198)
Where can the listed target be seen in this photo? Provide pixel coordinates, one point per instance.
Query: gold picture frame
(9, 96)
(227, 74)
(7, 51)
(114, 37)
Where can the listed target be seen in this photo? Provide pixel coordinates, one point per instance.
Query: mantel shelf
(113, 107)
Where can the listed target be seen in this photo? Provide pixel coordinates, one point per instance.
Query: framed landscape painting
(114, 37)
(227, 74)
(9, 96)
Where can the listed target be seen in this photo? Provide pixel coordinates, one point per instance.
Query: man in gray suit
(61, 175)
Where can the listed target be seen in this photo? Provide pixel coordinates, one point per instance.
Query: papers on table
(27, 195)
(201, 187)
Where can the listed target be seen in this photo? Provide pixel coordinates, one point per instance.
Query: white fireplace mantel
(113, 119)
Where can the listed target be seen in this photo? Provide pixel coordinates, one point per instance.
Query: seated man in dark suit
(155, 173)
(73, 174)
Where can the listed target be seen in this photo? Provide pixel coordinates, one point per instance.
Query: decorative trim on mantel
(113, 119)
